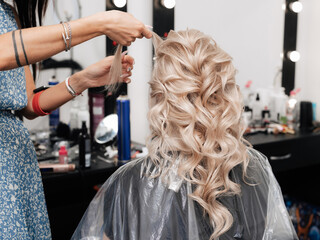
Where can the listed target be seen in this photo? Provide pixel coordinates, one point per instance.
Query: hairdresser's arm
(95, 75)
(43, 42)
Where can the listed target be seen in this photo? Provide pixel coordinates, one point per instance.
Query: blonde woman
(200, 180)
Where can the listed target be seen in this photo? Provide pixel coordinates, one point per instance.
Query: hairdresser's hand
(97, 75)
(124, 28)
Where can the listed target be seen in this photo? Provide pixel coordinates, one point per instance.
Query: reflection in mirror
(107, 129)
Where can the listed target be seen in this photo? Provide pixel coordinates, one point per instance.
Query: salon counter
(288, 152)
(69, 194)
(295, 159)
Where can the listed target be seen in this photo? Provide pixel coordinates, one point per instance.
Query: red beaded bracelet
(35, 105)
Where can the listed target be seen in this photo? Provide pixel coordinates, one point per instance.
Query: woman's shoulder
(256, 156)
(126, 171)
(256, 178)
(257, 163)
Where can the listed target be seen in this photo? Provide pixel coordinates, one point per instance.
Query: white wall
(138, 91)
(251, 31)
(85, 54)
(308, 44)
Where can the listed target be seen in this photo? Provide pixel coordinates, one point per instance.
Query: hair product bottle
(124, 137)
(83, 116)
(96, 110)
(63, 155)
(257, 108)
(54, 116)
(74, 114)
(84, 147)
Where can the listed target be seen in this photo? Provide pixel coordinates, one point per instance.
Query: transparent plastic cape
(132, 206)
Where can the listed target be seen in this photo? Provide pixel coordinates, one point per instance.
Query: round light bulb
(296, 6)
(294, 56)
(119, 3)
(168, 3)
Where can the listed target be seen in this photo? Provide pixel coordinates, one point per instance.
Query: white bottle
(54, 117)
(278, 106)
(257, 108)
(248, 95)
(83, 116)
(291, 109)
(74, 114)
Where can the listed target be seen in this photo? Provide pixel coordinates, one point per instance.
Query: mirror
(107, 129)
(307, 68)
(250, 31)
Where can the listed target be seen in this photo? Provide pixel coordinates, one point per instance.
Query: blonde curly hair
(195, 119)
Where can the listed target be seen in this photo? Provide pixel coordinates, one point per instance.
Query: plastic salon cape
(132, 206)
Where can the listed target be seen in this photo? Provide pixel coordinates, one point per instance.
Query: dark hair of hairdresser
(28, 12)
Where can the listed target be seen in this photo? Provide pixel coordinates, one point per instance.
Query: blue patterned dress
(23, 212)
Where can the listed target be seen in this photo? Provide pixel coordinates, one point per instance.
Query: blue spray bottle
(54, 115)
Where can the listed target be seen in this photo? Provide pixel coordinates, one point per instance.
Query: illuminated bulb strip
(119, 3)
(296, 7)
(294, 56)
(168, 3)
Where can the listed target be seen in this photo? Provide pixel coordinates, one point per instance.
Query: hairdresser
(23, 213)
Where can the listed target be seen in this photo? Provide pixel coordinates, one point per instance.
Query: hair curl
(195, 117)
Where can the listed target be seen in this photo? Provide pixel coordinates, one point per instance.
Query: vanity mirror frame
(289, 44)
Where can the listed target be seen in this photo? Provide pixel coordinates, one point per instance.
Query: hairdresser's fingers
(130, 40)
(127, 59)
(140, 36)
(124, 42)
(95, 75)
(126, 80)
(127, 43)
(146, 32)
(126, 73)
(107, 61)
(125, 77)
(127, 67)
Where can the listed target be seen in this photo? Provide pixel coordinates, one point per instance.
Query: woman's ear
(156, 40)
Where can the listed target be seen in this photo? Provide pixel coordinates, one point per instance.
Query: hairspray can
(124, 139)
(54, 116)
